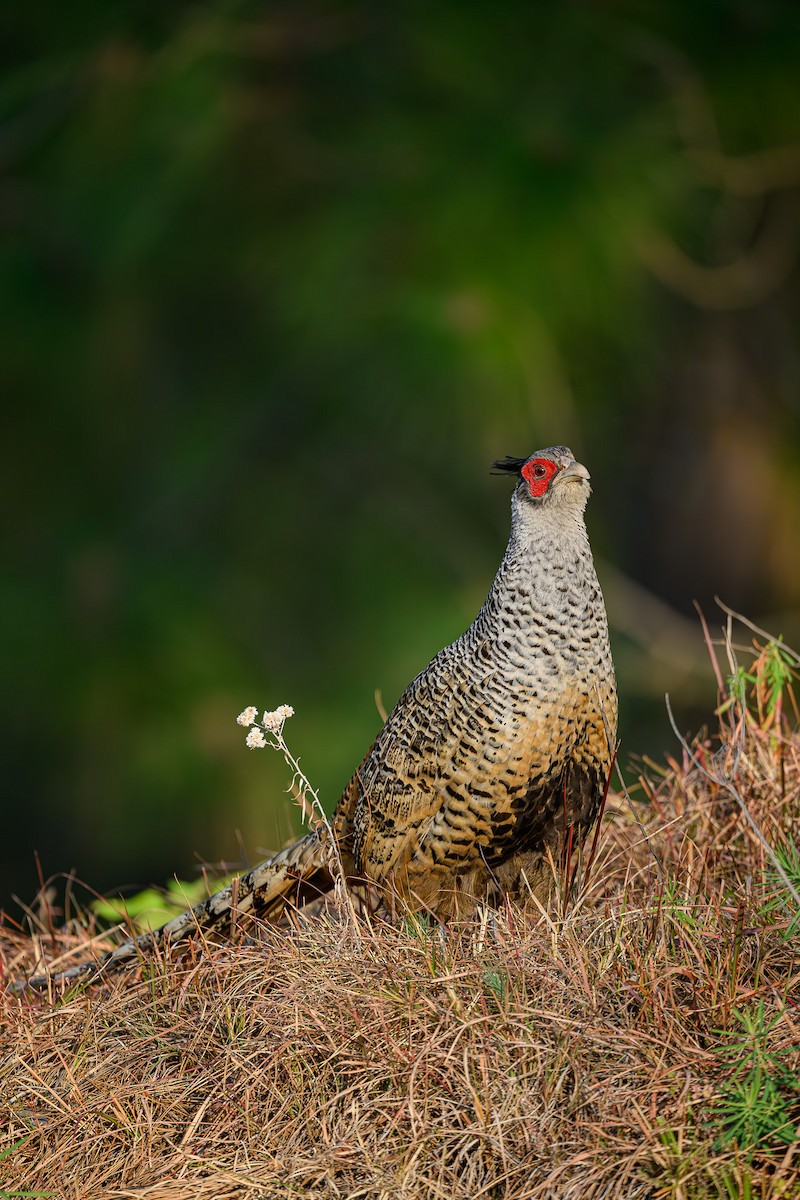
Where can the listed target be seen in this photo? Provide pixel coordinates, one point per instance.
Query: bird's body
(502, 737)
(499, 747)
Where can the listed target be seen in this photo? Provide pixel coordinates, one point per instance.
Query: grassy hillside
(641, 1039)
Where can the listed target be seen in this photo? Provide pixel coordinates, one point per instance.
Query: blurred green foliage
(278, 281)
(155, 906)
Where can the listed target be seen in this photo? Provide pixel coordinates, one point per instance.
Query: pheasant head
(551, 483)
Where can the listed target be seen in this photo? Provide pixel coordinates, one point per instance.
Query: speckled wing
(431, 789)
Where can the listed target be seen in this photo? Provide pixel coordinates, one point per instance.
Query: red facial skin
(538, 473)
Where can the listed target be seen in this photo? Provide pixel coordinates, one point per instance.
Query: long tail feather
(263, 892)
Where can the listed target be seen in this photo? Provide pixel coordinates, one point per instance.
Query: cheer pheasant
(499, 748)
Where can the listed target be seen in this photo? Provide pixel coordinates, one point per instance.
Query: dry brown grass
(579, 1054)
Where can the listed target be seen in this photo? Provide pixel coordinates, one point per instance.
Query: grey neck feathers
(548, 559)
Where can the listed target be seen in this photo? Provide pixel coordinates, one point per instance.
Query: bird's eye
(538, 472)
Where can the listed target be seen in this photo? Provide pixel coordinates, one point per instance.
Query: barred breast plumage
(502, 743)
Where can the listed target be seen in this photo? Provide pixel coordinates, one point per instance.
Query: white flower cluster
(271, 722)
(274, 720)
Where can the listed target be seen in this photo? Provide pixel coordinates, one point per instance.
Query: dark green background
(278, 281)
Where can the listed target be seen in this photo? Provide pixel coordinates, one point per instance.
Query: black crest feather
(508, 466)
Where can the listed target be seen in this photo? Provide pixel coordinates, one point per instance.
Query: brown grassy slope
(581, 1054)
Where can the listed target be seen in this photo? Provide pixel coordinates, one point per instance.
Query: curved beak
(575, 470)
